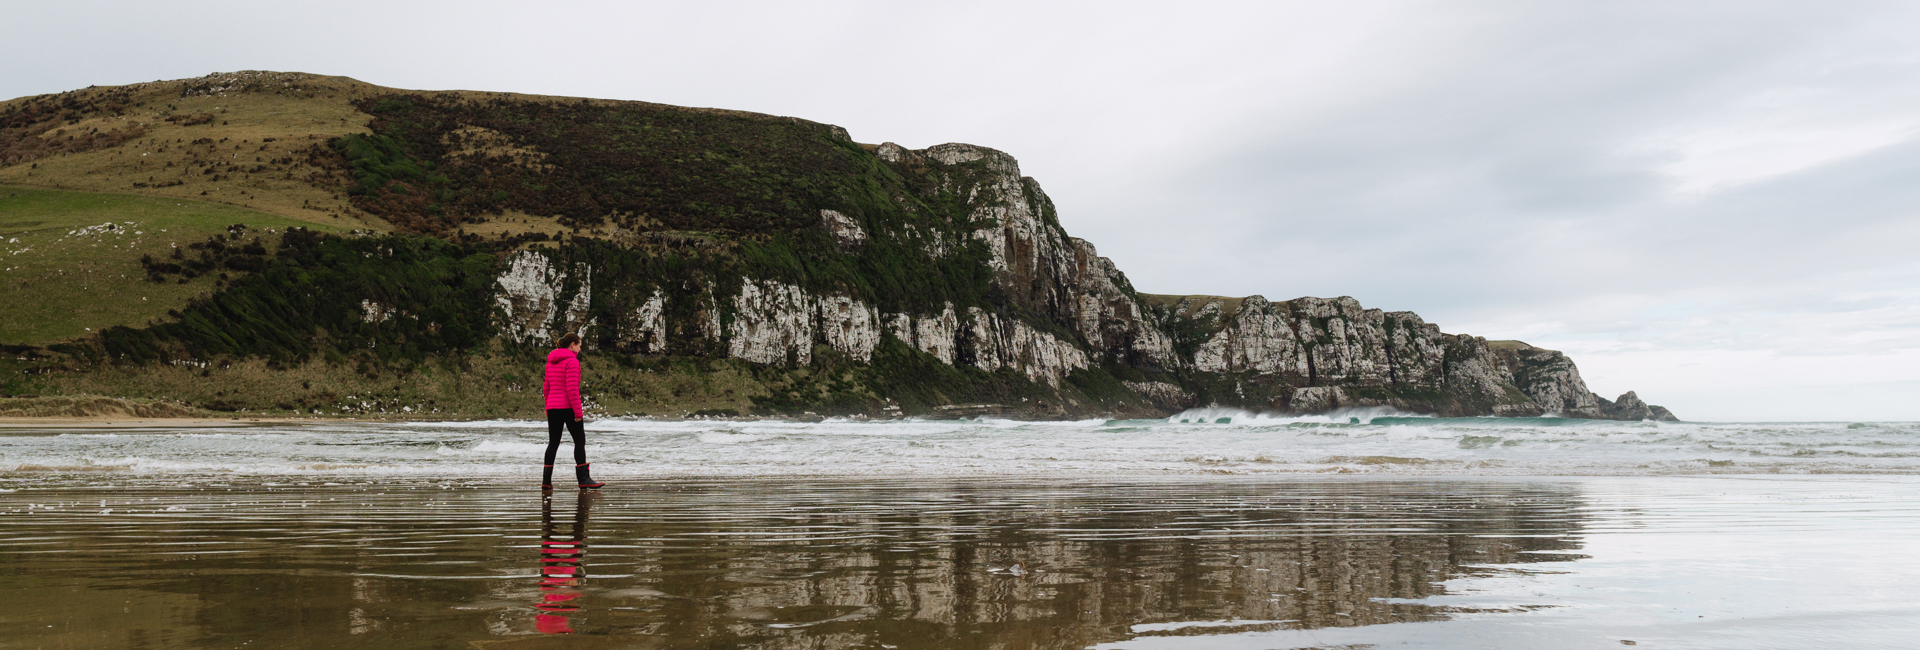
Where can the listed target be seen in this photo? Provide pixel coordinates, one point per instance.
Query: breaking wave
(1219, 415)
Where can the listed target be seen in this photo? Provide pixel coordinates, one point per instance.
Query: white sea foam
(1219, 415)
(1196, 442)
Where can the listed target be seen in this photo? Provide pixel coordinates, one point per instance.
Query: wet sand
(1185, 562)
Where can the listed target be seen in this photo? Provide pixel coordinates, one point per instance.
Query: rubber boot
(586, 478)
(546, 478)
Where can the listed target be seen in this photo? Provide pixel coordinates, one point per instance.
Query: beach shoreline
(135, 422)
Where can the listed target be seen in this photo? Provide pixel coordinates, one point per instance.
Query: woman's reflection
(562, 566)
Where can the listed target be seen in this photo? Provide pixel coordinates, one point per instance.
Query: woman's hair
(568, 341)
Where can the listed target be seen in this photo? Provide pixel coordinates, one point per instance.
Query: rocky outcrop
(1629, 407)
(1253, 336)
(776, 323)
(1037, 266)
(1067, 309)
(779, 324)
(1109, 315)
(528, 298)
(1320, 340)
(937, 335)
(772, 323)
(646, 331)
(1000, 342)
(849, 326)
(1323, 354)
(1549, 378)
(843, 228)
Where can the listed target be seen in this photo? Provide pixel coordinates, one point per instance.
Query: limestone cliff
(1067, 309)
(813, 273)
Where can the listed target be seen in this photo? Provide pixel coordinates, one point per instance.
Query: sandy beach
(1265, 533)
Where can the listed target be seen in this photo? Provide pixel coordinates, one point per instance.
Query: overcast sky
(1715, 204)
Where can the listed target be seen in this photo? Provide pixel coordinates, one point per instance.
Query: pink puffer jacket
(563, 382)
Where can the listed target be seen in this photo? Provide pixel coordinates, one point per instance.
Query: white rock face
(1347, 341)
(770, 321)
(710, 317)
(773, 321)
(527, 301)
(844, 229)
(578, 306)
(1414, 349)
(932, 241)
(850, 326)
(936, 335)
(1551, 379)
(1476, 373)
(891, 152)
(1259, 337)
(647, 329)
(1007, 343)
(1325, 343)
(1326, 340)
(1109, 318)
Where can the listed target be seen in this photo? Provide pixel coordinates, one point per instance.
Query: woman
(563, 410)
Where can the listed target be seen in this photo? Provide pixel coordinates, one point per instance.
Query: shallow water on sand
(124, 560)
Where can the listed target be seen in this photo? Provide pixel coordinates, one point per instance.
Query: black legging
(557, 418)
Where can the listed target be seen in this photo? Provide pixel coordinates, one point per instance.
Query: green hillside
(70, 262)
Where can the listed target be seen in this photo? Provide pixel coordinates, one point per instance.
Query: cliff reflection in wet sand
(773, 563)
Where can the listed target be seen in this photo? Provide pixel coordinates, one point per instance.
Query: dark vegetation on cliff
(426, 297)
(659, 176)
(432, 162)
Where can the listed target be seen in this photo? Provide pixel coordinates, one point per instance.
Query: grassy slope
(59, 285)
(296, 110)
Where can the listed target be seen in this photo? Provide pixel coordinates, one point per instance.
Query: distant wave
(1219, 415)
